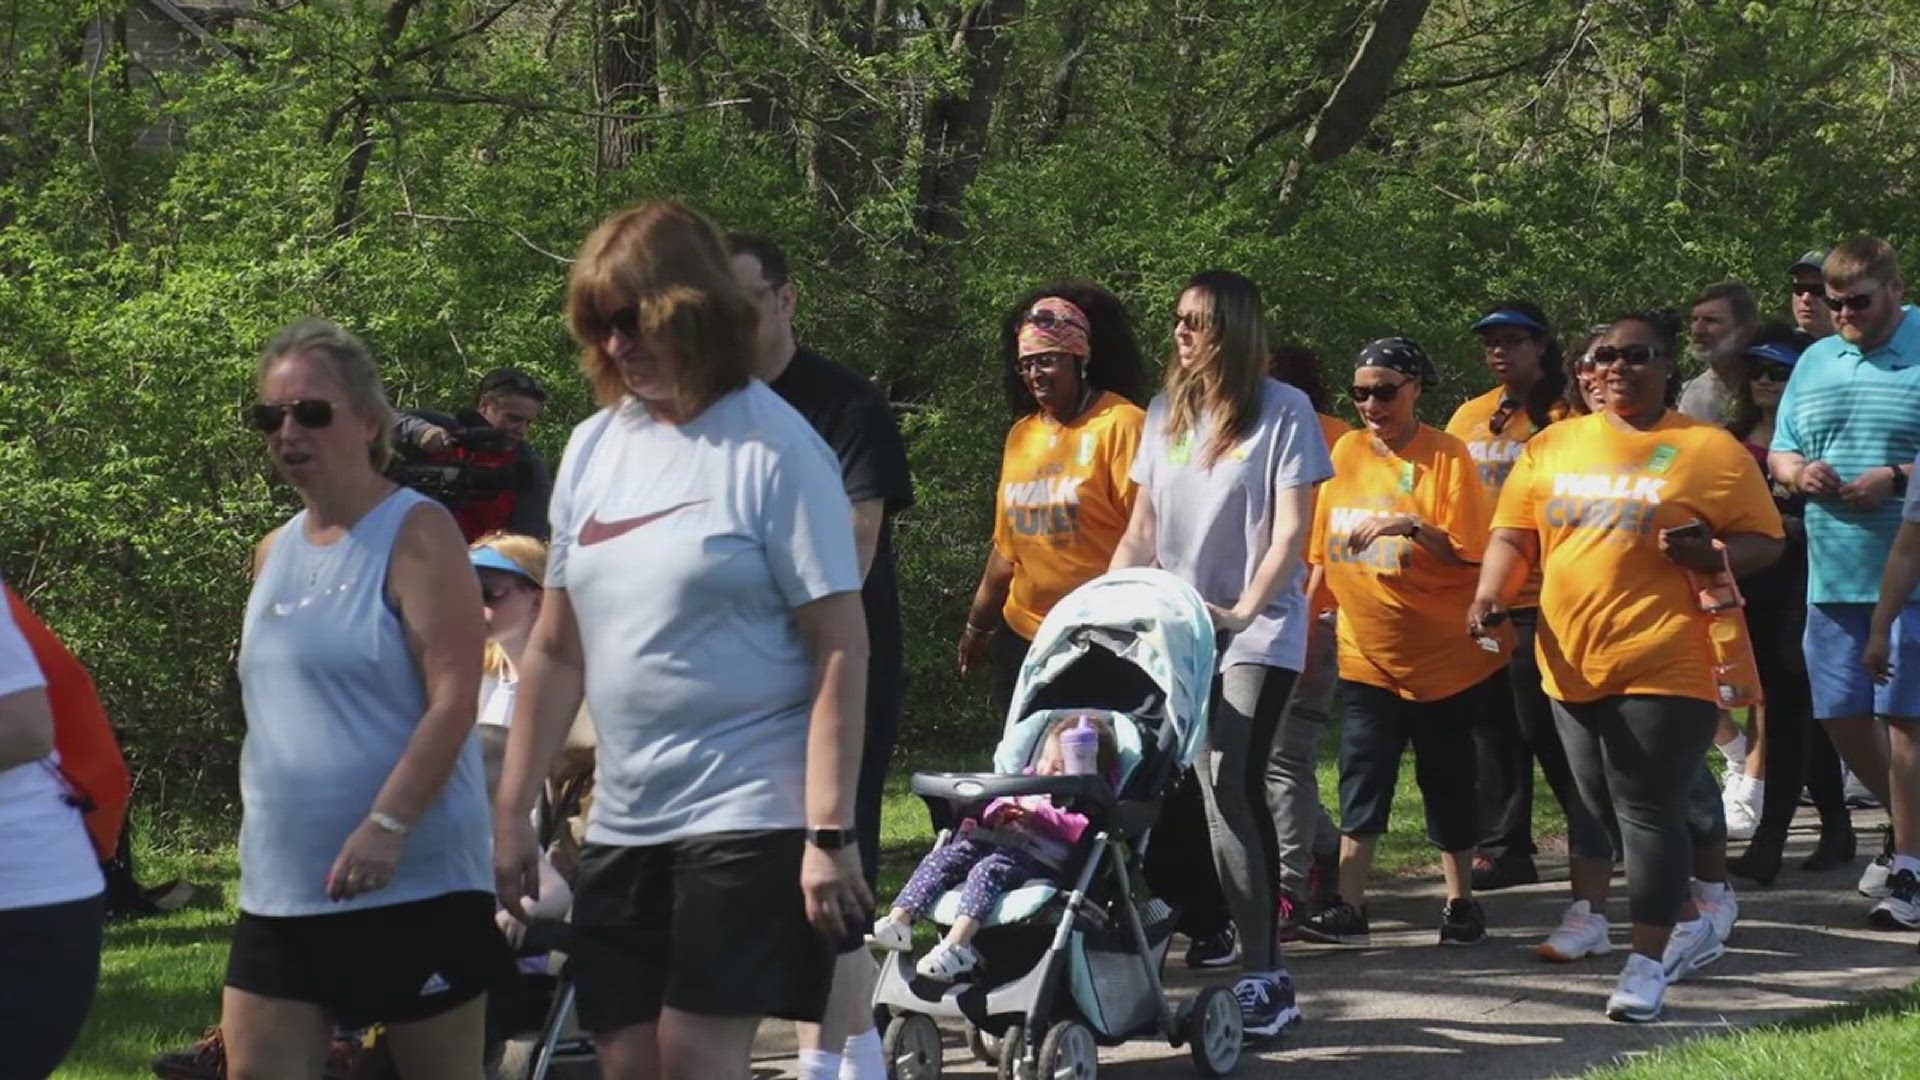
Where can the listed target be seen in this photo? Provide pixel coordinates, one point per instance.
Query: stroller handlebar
(1092, 793)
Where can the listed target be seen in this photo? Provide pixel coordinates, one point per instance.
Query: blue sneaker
(1267, 1005)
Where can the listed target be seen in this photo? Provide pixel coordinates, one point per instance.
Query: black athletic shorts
(712, 925)
(395, 964)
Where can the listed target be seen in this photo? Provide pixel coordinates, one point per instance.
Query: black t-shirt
(853, 416)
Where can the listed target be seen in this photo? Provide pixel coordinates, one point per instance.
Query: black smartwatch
(829, 839)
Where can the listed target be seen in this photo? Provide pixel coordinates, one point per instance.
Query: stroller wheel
(912, 1048)
(984, 1047)
(1069, 1053)
(1213, 1031)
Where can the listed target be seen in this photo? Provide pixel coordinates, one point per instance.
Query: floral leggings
(989, 870)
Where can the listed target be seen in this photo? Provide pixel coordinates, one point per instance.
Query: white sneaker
(1857, 795)
(946, 963)
(1876, 880)
(1694, 945)
(1721, 911)
(891, 934)
(1901, 909)
(1639, 993)
(1581, 934)
(1734, 750)
(1741, 800)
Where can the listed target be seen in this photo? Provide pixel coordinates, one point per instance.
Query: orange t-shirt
(1403, 611)
(1495, 454)
(1617, 616)
(1063, 503)
(1332, 427)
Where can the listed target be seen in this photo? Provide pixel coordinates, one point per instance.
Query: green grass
(160, 978)
(1875, 1037)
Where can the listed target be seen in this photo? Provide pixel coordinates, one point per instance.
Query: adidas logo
(434, 985)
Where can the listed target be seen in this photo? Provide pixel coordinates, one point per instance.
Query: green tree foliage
(421, 170)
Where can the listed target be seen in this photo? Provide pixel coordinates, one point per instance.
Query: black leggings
(1642, 755)
(1798, 753)
(49, 965)
(1005, 653)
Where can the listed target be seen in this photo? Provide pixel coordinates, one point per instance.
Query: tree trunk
(628, 72)
(1356, 99)
(346, 209)
(1076, 27)
(954, 126)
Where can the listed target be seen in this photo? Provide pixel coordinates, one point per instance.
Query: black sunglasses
(1381, 392)
(626, 320)
(1498, 421)
(1772, 372)
(1804, 288)
(1047, 319)
(1044, 363)
(1194, 323)
(307, 412)
(1630, 355)
(1856, 302)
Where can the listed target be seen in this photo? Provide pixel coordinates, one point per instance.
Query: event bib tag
(1662, 459)
(1406, 477)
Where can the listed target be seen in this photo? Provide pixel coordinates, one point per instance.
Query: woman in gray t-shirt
(1226, 471)
(703, 597)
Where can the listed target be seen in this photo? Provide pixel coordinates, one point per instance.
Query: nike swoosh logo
(595, 531)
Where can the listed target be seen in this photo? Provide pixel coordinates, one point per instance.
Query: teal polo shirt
(1855, 412)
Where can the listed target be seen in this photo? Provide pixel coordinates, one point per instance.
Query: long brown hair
(1220, 392)
(666, 264)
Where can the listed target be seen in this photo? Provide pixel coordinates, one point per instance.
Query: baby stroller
(1070, 966)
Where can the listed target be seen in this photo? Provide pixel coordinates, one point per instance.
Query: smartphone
(1692, 530)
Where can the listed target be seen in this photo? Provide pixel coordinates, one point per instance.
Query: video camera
(476, 475)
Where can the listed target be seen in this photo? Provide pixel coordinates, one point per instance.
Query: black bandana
(1403, 355)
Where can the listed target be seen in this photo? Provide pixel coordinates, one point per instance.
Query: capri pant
(1376, 726)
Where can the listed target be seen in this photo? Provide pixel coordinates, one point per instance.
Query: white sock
(819, 1065)
(1906, 862)
(1710, 892)
(862, 1059)
(1734, 749)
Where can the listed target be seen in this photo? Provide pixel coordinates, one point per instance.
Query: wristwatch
(830, 839)
(1899, 480)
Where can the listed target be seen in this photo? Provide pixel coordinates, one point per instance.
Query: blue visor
(1508, 317)
(1773, 352)
(486, 558)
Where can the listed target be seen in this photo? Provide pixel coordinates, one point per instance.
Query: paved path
(1407, 1007)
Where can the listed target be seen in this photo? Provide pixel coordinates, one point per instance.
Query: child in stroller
(1014, 840)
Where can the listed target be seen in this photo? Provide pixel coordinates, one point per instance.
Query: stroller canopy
(1133, 641)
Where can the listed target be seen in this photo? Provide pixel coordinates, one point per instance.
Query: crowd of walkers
(1551, 578)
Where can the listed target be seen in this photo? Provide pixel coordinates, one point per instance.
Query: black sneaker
(1503, 873)
(1339, 923)
(1214, 950)
(1463, 922)
(1267, 1005)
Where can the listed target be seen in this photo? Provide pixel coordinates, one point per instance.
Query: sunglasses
(492, 595)
(626, 320)
(1772, 372)
(1195, 324)
(1630, 355)
(1498, 421)
(1804, 288)
(1856, 302)
(1048, 319)
(1381, 392)
(307, 412)
(1043, 363)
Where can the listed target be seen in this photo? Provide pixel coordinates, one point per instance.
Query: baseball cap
(1772, 351)
(512, 381)
(487, 558)
(1508, 317)
(1812, 260)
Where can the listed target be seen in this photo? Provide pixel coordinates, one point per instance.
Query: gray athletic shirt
(1213, 522)
(684, 550)
(333, 696)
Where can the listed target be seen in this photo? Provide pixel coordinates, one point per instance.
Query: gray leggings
(1248, 700)
(1301, 825)
(1641, 756)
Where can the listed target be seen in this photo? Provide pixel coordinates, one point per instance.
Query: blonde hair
(1864, 258)
(1220, 391)
(525, 552)
(346, 359)
(668, 265)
